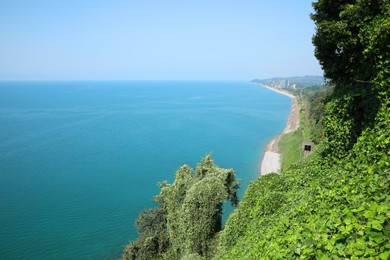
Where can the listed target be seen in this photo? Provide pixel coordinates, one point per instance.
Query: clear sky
(155, 39)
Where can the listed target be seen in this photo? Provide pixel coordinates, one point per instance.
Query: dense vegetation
(334, 204)
(189, 216)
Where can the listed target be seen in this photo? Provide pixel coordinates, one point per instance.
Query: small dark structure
(307, 147)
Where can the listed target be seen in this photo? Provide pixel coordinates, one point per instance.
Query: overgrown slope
(321, 208)
(336, 204)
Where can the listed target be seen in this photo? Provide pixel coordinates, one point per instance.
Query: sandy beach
(271, 159)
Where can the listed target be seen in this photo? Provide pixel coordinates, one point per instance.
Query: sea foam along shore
(271, 159)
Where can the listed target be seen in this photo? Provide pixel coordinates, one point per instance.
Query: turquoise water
(80, 160)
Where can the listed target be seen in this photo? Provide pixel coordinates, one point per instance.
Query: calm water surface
(80, 160)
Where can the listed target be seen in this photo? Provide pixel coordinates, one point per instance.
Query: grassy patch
(290, 147)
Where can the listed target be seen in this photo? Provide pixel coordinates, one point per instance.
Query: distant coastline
(271, 159)
(280, 91)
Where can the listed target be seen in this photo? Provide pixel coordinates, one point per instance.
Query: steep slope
(337, 204)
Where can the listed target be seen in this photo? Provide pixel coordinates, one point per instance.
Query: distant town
(294, 83)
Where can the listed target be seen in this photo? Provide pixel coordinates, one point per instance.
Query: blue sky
(155, 39)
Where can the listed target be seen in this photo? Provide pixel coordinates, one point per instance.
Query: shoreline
(271, 158)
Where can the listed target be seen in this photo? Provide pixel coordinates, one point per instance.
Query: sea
(79, 160)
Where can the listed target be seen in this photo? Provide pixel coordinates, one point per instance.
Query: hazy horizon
(170, 40)
(162, 80)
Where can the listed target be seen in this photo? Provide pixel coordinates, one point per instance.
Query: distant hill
(297, 82)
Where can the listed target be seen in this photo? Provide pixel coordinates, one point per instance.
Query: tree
(189, 216)
(351, 39)
(153, 240)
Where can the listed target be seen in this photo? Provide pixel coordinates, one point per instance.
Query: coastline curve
(271, 158)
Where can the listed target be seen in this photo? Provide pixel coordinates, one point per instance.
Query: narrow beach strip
(271, 159)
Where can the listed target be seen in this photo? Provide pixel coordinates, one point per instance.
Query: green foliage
(336, 204)
(290, 146)
(189, 216)
(319, 209)
(153, 239)
(202, 215)
(315, 101)
(352, 45)
(349, 39)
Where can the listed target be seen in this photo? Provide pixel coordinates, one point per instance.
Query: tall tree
(351, 40)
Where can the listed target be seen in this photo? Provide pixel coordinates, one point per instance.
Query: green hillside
(336, 203)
